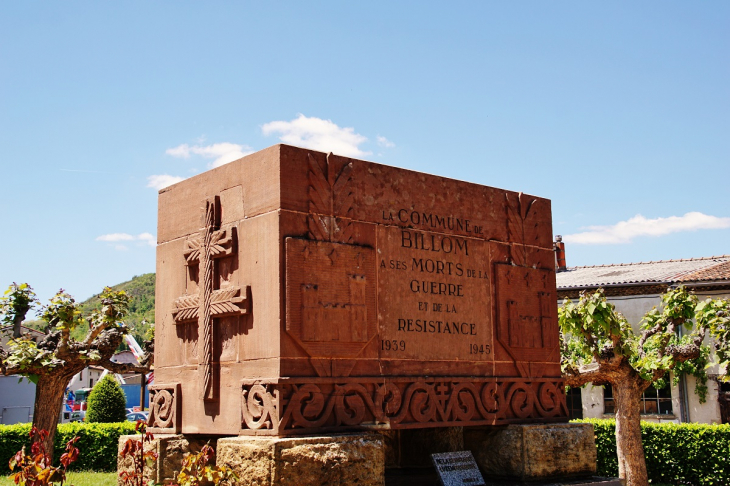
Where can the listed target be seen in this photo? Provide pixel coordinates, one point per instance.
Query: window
(575, 403)
(653, 401)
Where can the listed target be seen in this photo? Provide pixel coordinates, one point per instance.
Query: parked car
(79, 416)
(134, 416)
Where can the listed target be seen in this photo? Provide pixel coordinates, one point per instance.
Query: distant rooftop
(688, 270)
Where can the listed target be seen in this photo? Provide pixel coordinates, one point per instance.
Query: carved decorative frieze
(303, 405)
(165, 401)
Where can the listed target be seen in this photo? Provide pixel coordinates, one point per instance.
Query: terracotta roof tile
(716, 272)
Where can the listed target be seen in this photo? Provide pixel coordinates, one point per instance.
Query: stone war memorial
(323, 318)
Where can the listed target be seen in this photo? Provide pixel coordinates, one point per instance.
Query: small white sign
(457, 469)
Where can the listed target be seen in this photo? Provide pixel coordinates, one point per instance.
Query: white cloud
(161, 181)
(115, 237)
(223, 153)
(626, 231)
(384, 142)
(148, 238)
(318, 134)
(142, 239)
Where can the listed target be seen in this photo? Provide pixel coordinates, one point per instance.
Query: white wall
(633, 308)
(14, 398)
(86, 378)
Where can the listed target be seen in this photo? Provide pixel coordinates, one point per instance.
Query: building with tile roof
(646, 277)
(634, 288)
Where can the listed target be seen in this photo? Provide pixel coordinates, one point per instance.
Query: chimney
(559, 248)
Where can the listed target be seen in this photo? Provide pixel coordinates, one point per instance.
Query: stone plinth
(533, 452)
(304, 293)
(346, 459)
(170, 449)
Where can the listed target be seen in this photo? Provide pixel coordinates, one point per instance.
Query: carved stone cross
(209, 303)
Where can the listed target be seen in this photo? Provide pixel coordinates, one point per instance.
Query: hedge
(691, 454)
(97, 444)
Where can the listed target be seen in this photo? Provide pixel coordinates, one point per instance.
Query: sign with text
(457, 469)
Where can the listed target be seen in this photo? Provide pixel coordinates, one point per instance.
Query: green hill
(141, 291)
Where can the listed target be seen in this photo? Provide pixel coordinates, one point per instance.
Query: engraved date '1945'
(480, 349)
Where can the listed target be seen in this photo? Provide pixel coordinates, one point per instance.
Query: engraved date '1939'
(392, 345)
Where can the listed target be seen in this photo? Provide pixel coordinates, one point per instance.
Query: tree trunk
(18, 321)
(49, 393)
(629, 448)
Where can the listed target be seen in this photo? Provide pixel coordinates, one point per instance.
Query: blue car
(134, 416)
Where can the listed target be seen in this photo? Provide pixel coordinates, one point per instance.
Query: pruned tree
(599, 346)
(52, 360)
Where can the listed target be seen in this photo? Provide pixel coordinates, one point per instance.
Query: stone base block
(533, 452)
(170, 449)
(347, 459)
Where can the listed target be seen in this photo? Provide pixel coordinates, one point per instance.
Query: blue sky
(619, 112)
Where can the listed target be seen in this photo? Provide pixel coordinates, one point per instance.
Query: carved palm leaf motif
(227, 302)
(224, 302)
(192, 250)
(329, 194)
(222, 244)
(518, 210)
(186, 308)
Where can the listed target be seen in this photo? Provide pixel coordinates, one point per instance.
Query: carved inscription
(434, 295)
(431, 221)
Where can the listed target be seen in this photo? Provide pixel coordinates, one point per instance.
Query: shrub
(692, 454)
(107, 402)
(98, 444)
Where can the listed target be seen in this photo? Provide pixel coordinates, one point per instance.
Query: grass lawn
(78, 479)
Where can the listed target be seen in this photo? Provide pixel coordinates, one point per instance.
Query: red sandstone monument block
(300, 292)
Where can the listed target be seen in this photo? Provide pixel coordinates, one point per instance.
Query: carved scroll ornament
(164, 409)
(297, 406)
